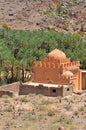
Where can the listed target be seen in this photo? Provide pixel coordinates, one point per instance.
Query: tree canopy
(19, 49)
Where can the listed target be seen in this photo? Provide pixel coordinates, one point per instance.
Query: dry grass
(35, 112)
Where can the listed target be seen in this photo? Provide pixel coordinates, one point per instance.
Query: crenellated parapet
(43, 64)
(70, 64)
(65, 60)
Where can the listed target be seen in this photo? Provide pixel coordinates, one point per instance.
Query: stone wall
(67, 90)
(10, 94)
(14, 87)
(26, 89)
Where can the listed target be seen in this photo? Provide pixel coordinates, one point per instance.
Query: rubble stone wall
(10, 94)
(14, 87)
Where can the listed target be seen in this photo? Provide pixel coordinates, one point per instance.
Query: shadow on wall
(8, 93)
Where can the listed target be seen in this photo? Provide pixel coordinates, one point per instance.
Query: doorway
(84, 81)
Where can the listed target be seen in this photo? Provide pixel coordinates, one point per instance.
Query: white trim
(83, 71)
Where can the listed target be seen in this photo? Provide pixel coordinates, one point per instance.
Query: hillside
(59, 15)
(38, 112)
(28, 40)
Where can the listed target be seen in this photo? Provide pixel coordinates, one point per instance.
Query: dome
(57, 54)
(67, 74)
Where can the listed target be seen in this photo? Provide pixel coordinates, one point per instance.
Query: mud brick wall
(84, 80)
(61, 90)
(55, 91)
(26, 89)
(40, 89)
(67, 90)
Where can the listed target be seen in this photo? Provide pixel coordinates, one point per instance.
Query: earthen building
(56, 68)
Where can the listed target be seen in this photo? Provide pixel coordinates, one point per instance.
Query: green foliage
(48, 12)
(81, 108)
(19, 49)
(51, 112)
(53, 126)
(8, 109)
(59, 8)
(24, 99)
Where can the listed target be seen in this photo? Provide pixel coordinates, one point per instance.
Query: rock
(67, 107)
(84, 105)
(83, 28)
(11, 14)
(61, 128)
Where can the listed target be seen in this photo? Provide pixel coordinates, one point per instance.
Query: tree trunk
(12, 73)
(22, 74)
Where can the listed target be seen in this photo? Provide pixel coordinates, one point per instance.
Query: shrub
(81, 108)
(8, 109)
(51, 112)
(5, 96)
(52, 126)
(59, 8)
(24, 99)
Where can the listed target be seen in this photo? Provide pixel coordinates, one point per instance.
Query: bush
(51, 112)
(81, 108)
(8, 109)
(24, 99)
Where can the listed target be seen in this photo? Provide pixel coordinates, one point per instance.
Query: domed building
(56, 68)
(57, 54)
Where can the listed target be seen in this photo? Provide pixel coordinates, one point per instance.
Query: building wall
(26, 89)
(50, 71)
(84, 80)
(49, 75)
(67, 90)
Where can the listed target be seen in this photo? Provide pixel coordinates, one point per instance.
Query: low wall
(45, 89)
(26, 89)
(10, 94)
(14, 87)
(67, 90)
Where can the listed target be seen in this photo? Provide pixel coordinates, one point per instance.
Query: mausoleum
(56, 68)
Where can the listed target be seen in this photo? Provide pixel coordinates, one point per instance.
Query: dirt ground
(38, 112)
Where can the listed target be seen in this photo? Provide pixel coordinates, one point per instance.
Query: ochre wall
(77, 80)
(52, 70)
(84, 80)
(49, 75)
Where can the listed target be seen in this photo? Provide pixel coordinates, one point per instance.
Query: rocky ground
(59, 15)
(38, 112)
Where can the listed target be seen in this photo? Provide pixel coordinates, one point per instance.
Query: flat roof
(44, 84)
(83, 71)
